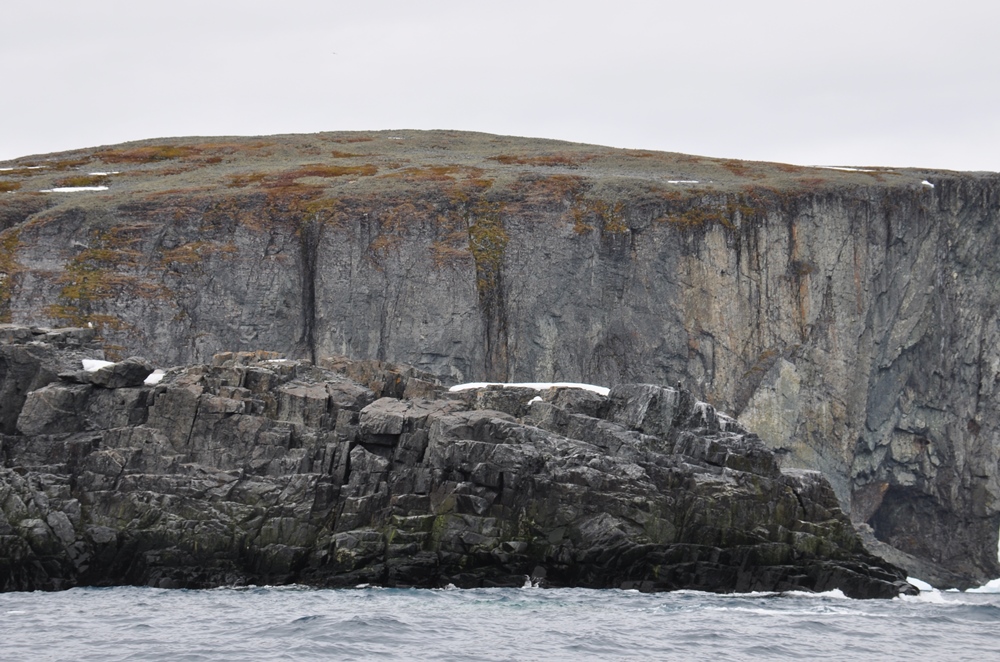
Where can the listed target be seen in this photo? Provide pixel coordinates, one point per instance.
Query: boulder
(130, 372)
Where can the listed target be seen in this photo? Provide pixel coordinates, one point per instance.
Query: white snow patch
(73, 189)
(538, 386)
(154, 377)
(279, 361)
(992, 586)
(537, 398)
(845, 169)
(683, 181)
(22, 168)
(920, 584)
(93, 365)
(927, 183)
(103, 174)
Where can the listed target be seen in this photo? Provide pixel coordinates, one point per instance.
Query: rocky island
(847, 316)
(262, 470)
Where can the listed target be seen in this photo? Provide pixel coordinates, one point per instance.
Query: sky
(874, 82)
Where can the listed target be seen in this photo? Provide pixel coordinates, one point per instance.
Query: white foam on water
(834, 593)
(538, 386)
(817, 610)
(933, 597)
(992, 586)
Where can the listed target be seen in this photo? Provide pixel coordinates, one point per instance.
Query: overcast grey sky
(875, 82)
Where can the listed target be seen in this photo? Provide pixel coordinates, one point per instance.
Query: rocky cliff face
(848, 317)
(263, 470)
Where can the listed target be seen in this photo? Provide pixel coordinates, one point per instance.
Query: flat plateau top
(349, 164)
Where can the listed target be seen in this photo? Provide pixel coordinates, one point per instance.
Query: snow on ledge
(154, 377)
(73, 189)
(538, 386)
(927, 183)
(846, 169)
(683, 181)
(93, 365)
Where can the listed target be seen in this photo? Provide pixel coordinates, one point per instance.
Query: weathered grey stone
(55, 408)
(577, 401)
(839, 315)
(406, 492)
(130, 372)
(646, 407)
(510, 400)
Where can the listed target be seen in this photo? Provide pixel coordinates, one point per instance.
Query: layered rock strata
(256, 469)
(848, 316)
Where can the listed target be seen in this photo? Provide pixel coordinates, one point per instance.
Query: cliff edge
(849, 316)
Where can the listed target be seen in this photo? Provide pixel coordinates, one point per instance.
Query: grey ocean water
(295, 623)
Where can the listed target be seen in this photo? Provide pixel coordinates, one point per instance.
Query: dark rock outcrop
(261, 470)
(850, 318)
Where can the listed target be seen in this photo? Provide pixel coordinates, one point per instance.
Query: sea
(301, 623)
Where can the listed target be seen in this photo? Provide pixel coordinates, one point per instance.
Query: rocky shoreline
(847, 317)
(255, 469)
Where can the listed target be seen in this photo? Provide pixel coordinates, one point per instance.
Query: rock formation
(849, 317)
(257, 469)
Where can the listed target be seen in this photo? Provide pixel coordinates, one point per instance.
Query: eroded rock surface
(849, 318)
(261, 470)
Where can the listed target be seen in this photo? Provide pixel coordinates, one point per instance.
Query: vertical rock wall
(853, 329)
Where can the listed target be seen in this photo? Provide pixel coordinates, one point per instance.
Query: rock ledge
(261, 470)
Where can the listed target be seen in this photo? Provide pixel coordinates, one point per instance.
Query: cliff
(263, 470)
(846, 316)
